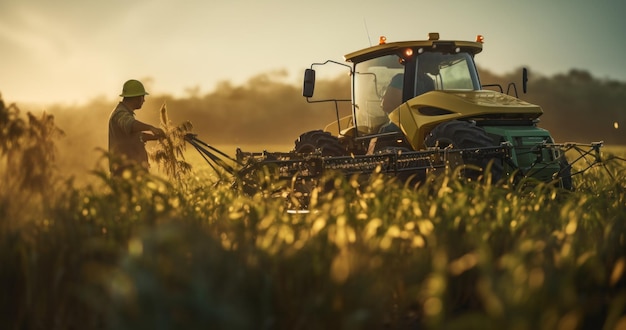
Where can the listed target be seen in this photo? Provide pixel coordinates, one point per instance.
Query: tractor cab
(402, 90)
(389, 74)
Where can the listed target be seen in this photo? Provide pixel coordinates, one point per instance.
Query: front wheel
(457, 134)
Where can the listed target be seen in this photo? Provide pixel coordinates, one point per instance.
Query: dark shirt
(124, 144)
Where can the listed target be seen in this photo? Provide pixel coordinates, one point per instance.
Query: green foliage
(169, 152)
(141, 252)
(27, 158)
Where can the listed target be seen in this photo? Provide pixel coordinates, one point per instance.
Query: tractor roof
(472, 47)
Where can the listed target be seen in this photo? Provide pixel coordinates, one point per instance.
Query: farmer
(391, 100)
(393, 94)
(127, 135)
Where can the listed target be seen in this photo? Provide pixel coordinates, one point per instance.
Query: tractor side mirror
(524, 79)
(309, 83)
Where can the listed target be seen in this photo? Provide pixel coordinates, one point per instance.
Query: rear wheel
(326, 143)
(311, 142)
(459, 134)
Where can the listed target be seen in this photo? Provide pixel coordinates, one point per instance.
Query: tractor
(419, 107)
(425, 95)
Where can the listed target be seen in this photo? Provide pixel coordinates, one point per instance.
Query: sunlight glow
(135, 247)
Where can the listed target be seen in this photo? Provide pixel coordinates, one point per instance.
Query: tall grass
(144, 252)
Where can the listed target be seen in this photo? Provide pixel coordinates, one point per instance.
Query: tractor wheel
(459, 134)
(328, 144)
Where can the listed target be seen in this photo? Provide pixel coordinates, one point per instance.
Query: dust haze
(267, 111)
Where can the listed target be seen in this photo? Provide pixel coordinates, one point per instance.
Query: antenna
(367, 32)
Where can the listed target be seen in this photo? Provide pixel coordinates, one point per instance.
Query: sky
(71, 51)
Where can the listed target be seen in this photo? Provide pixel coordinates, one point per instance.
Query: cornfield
(187, 251)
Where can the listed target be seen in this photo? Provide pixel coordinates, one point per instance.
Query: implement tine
(214, 149)
(212, 159)
(593, 150)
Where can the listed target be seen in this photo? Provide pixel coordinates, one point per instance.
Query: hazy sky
(73, 50)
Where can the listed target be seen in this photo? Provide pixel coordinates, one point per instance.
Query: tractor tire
(459, 134)
(326, 143)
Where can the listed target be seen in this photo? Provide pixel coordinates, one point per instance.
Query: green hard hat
(133, 88)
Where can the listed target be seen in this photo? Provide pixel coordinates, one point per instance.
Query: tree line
(269, 110)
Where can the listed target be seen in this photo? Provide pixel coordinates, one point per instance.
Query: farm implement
(297, 174)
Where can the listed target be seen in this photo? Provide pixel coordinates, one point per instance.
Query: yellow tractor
(417, 107)
(426, 94)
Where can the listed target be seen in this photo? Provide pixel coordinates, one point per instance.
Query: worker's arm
(139, 126)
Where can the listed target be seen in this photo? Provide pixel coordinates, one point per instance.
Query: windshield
(445, 72)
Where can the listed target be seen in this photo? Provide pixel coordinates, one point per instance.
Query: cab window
(371, 81)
